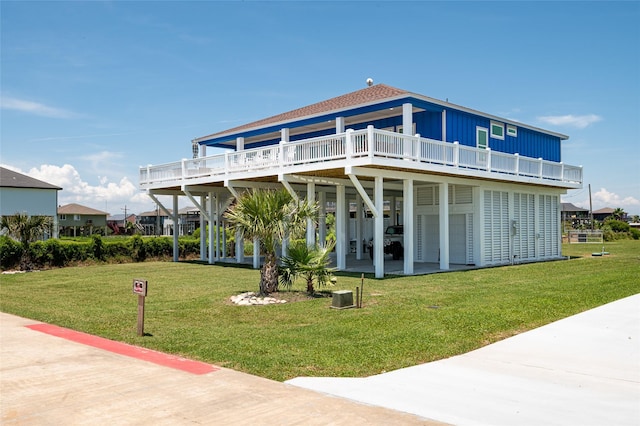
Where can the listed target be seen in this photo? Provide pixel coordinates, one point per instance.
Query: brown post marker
(141, 315)
(140, 288)
(361, 289)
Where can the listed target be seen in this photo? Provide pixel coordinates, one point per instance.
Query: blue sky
(90, 91)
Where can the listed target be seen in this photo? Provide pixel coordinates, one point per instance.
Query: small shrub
(138, 250)
(10, 253)
(97, 247)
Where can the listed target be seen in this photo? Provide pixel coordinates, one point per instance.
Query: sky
(91, 91)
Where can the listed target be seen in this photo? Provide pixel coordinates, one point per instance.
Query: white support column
(341, 237)
(347, 227)
(322, 218)
(311, 229)
(256, 253)
(378, 234)
(203, 230)
(239, 247)
(359, 224)
(444, 125)
(217, 219)
(444, 225)
(211, 227)
(284, 134)
(407, 119)
(339, 124)
(407, 221)
(240, 144)
(224, 240)
(176, 230)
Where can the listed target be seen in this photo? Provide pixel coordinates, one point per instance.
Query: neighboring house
(153, 222)
(76, 220)
(576, 215)
(471, 188)
(118, 223)
(23, 194)
(602, 214)
(188, 221)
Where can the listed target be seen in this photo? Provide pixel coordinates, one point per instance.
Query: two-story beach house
(469, 188)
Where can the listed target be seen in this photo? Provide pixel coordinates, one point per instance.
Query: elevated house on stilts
(469, 188)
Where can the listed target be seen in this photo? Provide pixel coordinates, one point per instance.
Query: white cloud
(578, 121)
(111, 197)
(35, 108)
(604, 198)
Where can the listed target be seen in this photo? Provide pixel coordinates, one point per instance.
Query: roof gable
(11, 179)
(359, 97)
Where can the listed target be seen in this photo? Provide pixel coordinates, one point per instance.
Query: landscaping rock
(250, 298)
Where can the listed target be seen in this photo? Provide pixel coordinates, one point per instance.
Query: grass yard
(405, 320)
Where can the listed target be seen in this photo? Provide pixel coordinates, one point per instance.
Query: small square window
(63, 217)
(76, 217)
(512, 131)
(497, 130)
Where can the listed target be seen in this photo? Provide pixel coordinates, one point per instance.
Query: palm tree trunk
(269, 275)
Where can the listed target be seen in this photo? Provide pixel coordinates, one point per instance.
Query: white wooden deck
(369, 147)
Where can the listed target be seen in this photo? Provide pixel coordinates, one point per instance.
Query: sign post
(140, 288)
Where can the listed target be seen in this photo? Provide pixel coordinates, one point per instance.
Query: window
(497, 130)
(482, 142)
(482, 137)
(63, 217)
(512, 130)
(76, 217)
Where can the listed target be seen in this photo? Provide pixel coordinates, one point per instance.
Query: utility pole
(590, 208)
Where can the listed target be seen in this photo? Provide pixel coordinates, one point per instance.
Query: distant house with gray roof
(20, 193)
(75, 220)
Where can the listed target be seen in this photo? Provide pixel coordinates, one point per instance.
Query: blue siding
(461, 127)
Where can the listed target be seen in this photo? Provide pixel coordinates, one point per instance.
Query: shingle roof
(359, 97)
(605, 210)
(11, 179)
(78, 209)
(568, 207)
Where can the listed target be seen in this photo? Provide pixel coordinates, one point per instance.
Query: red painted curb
(166, 360)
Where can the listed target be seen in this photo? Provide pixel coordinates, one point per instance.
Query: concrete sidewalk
(583, 370)
(48, 380)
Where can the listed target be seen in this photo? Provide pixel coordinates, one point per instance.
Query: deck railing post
(281, 154)
(456, 154)
(148, 173)
(348, 143)
(226, 163)
(540, 167)
(488, 159)
(370, 141)
(415, 144)
(517, 168)
(184, 168)
(562, 171)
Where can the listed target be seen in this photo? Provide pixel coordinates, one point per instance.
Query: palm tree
(618, 213)
(269, 216)
(26, 229)
(310, 263)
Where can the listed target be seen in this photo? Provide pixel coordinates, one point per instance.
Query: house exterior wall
(96, 221)
(33, 201)
(461, 127)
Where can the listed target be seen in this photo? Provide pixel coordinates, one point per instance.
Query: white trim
(496, 125)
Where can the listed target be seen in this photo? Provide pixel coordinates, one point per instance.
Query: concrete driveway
(583, 370)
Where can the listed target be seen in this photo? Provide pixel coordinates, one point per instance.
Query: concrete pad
(48, 380)
(583, 370)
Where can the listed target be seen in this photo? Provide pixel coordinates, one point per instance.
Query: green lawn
(405, 320)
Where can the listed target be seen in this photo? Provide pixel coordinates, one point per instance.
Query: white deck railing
(351, 144)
